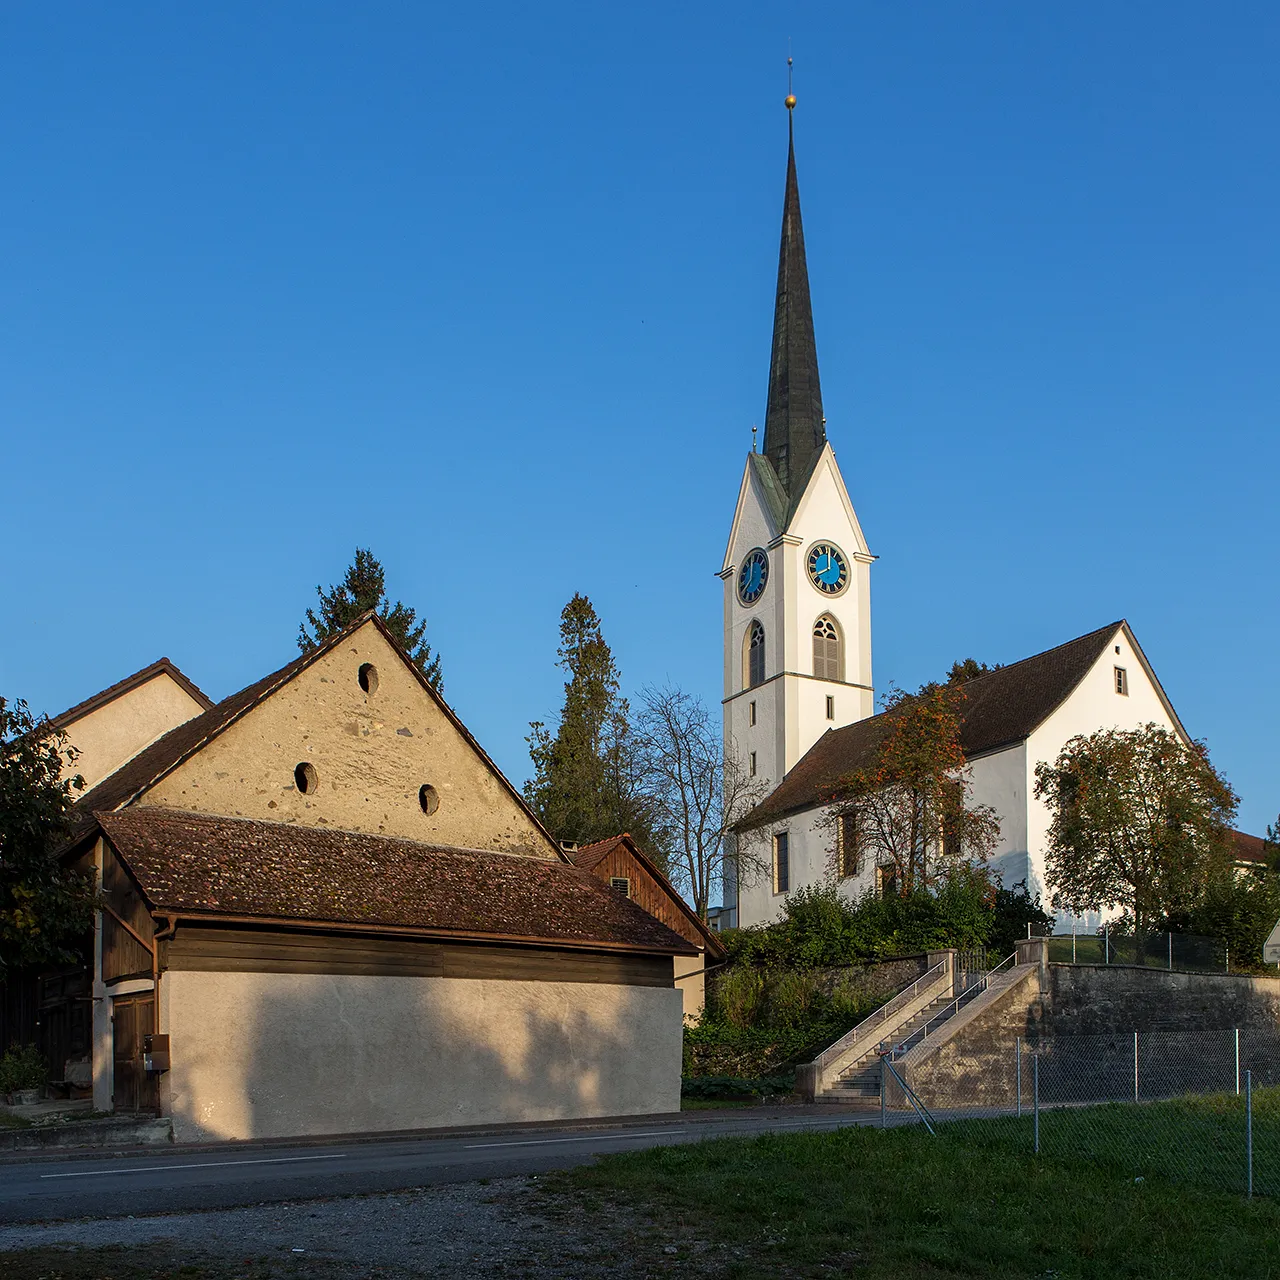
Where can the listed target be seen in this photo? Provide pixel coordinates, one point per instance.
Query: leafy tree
(697, 791)
(44, 907)
(911, 808)
(968, 669)
(362, 590)
(588, 775)
(1139, 819)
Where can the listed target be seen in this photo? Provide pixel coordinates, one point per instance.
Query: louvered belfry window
(828, 660)
(755, 656)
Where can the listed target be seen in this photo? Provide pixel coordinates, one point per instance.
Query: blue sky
(488, 288)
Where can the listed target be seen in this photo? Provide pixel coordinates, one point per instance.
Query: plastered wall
(259, 1055)
(116, 732)
(371, 752)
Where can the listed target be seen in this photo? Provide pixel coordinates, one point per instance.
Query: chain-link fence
(1194, 1107)
(1188, 952)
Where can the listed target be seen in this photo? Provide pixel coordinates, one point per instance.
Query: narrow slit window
(752, 764)
(781, 862)
(831, 707)
(1122, 682)
(751, 713)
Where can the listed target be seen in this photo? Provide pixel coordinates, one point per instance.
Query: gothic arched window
(828, 649)
(753, 664)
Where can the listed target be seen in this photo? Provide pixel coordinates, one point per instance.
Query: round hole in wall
(306, 778)
(368, 677)
(428, 798)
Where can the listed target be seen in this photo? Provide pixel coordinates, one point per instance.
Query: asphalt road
(157, 1181)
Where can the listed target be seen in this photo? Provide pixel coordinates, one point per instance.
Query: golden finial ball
(791, 101)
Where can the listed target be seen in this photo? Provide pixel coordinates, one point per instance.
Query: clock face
(828, 570)
(752, 576)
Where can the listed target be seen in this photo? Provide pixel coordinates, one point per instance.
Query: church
(799, 702)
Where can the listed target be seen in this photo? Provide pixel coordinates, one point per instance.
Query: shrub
(22, 1067)
(736, 1086)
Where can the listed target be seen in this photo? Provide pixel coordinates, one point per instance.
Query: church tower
(797, 571)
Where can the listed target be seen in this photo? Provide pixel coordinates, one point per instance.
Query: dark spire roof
(793, 429)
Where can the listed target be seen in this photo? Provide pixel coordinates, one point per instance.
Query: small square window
(831, 707)
(751, 764)
(1122, 681)
(751, 712)
(781, 862)
(622, 884)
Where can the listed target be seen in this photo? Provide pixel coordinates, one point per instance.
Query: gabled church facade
(799, 705)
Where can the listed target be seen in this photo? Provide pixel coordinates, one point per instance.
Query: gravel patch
(500, 1228)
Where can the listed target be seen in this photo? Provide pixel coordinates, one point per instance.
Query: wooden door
(131, 1019)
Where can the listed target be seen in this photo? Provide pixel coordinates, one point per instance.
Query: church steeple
(793, 427)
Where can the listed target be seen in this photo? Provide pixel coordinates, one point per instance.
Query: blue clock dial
(752, 576)
(828, 569)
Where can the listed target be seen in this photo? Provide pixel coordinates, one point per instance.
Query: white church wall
(1093, 705)
(1000, 780)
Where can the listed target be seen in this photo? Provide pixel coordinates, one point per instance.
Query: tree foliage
(44, 907)
(588, 775)
(1139, 820)
(362, 590)
(696, 792)
(911, 807)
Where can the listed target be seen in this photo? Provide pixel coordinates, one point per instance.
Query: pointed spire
(794, 430)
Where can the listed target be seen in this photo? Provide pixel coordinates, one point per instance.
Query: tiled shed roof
(187, 863)
(162, 666)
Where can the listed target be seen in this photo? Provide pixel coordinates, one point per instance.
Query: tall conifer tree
(586, 784)
(363, 589)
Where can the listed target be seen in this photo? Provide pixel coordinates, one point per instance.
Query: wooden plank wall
(647, 892)
(224, 949)
(123, 956)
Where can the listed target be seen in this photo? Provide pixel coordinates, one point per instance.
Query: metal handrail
(946, 1012)
(881, 1015)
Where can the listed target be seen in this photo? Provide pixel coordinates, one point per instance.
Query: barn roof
(196, 865)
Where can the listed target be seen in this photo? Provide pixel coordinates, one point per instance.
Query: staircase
(860, 1081)
(919, 1019)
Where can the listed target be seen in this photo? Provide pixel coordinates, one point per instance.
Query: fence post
(1073, 944)
(1135, 1066)
(1228, 946)
(1248, 1125)
(1035, 1097)
(1017, 1051)
(1237, 1062)
(1106, 943)
(883, 1073)
(1170, 950)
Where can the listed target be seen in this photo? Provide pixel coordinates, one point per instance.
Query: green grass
(1102, 1200)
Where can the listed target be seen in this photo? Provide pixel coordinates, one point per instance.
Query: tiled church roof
(1000, 708)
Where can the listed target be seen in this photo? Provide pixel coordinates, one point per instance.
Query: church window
(848, 844)
(1122, 681)
(751, 712)
(755, 654)
(887, 880)
(428, 798)
(305, 778)
(831, 707)
(828, 655)
(622, 884)
(752, 764)
(367, 677)
(781, 862)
